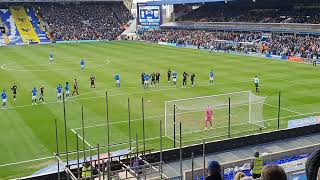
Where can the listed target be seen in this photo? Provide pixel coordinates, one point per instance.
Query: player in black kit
(157, 78)
(184, 80)
(142, 78)
(169, 75)
(93, 81)
(192, 79)
(41, 93)
(153, 79)
(75, 87)
(14, 91)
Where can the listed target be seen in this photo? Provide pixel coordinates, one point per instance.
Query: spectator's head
(272, 172)
(312, 166)
(86, 164)
(239, 175)
(214, 168)
(256, 154)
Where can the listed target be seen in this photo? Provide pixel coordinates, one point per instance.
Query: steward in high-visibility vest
(257, 166)
(86, 170)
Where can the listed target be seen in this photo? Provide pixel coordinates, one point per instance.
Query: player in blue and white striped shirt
(67, 89)
(146, 80)
(4, 99)
(82, 64)
(51, 57)
(174, 77)
(34, 96)
(59, 92)
(211, 76)
(117, 79)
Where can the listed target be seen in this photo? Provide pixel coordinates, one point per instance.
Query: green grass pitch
(27, 132)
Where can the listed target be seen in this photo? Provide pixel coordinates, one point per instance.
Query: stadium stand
(38, 22)
(233, 12)
(106, 21)
(11, 35)
(246, 42)
(23, 24)
(85, 21)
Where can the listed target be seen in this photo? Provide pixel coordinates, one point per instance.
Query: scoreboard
(149, 16)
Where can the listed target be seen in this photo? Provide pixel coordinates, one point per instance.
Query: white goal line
(239, 124)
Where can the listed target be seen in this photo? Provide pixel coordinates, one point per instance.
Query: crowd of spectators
(85, 21)
(245, 42)
(211, 13)
(267, 172)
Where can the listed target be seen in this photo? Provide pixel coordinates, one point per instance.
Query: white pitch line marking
(41, 70)
(286, 109)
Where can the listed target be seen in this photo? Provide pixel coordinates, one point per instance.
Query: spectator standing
(86, 170)
(256, 165)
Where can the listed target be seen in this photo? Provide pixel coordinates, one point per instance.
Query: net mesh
(245, 107)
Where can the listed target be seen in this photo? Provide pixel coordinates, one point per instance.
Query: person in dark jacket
(312, 166)
(214, 170)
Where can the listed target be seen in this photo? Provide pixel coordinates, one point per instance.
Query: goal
(244, 108)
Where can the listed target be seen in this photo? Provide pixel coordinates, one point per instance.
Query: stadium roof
(159, 2)
(1, 1)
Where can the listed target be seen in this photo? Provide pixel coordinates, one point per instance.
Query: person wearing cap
(256, 165)
(214, 171)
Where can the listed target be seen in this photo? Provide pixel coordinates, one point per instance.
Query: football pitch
(28, 132)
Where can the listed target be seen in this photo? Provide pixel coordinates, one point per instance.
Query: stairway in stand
(4, 35)
(23, 24)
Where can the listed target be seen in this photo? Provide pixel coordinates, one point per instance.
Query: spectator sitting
(312, 166)
(273, 172)
(214, 171)
(239, 175)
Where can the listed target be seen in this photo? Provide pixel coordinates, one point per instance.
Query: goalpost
(245, 108)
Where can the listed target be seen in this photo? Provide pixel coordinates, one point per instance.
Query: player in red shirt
(209, 116)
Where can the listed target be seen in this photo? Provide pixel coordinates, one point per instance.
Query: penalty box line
(139, 119)
(285, 109)
(88, 144)
(127, 142)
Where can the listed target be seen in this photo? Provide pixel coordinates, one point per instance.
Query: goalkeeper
(209, 116)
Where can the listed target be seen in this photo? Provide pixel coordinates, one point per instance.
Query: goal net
(244, 108)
